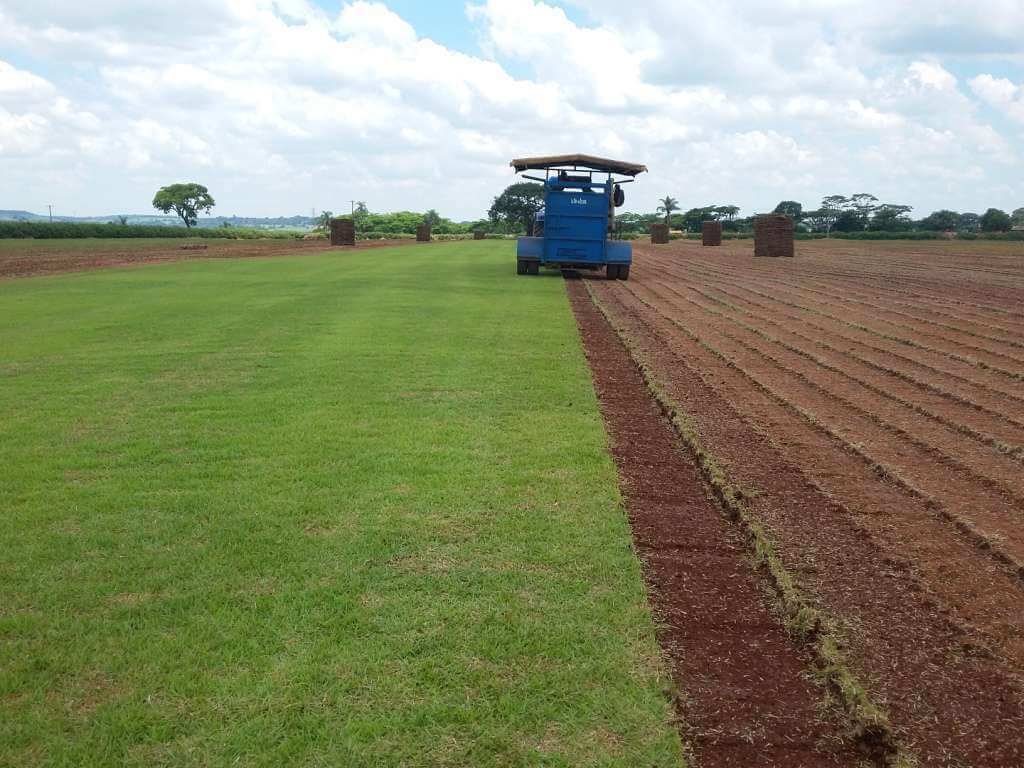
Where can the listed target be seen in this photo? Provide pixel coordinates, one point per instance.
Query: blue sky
(282, 106)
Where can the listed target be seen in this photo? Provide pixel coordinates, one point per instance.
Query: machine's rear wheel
(522, 268)
(623, 271)
(611, 272)
(534, 267)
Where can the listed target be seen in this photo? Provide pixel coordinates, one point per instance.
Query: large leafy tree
(864, 205)
(994, 220)
(941, 221)
(825, 218)
(1017, 217)
(668, 206)
(969, 222)
(694, 217)
(517, 205)
(891, 218)
(431, 218)
(186, 200)
(848, 221)
(790, 208)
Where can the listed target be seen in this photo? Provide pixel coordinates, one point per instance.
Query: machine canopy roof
(588, 162)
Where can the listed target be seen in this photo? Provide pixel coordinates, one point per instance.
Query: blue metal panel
(575, 224)
(620, 252)
(531, 248)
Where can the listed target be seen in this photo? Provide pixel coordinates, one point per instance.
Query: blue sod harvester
(572, 230)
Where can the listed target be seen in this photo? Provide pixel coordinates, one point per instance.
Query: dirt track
(871, 402)
(746, 697)
(29, 258)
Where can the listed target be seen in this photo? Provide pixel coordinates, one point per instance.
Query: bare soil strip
(951, 406)
(864, 286)
(746, 696)
(898, 355)
(983, 505)
(57, 256)
(950, 700)
(949, 342)
(893, 400)
(1003, 368)
(957, 563)
(975, 393)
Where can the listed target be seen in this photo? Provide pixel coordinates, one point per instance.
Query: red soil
(34, 257)
(747, 700)
(872, 407)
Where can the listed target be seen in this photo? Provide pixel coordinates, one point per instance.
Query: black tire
(611, 272)
(522, 268)
(618, 196)
(623, 271)
(534, 267)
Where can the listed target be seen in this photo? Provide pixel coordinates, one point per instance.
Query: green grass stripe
(341, 509)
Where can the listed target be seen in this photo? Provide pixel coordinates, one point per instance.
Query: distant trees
(891, 218)
(668, 206)
(857, 213)
(515, 207)
(969, 222)
(994, 220)
(790, 208)
(691, 220)
(941, 221)
(186, 200)
(323, 221)
(431, 218)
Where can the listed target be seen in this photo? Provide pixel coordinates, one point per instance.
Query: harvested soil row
(1011, 373)
(747, 700)
(984, 506)
(993, 429)
(833, 261)
(983, 592)
(56, 259)
(931, 365)
(926, 310)
(968, 385)
(961, 343)
(949, 703)
(979, 336)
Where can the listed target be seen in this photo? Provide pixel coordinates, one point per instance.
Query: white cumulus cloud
(282, 105)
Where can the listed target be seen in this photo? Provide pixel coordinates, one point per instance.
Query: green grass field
(343, 509)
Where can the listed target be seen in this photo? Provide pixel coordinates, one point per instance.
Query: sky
(281, 107)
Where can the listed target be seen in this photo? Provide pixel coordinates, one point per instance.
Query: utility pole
(353, 207)
(50, 206)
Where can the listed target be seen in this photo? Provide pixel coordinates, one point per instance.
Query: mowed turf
(343, 509)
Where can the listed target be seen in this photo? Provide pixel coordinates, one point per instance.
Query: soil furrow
(894, 354)
(989, 427)
(905, 526)
(970, 386)
(964, 342)
(747, 699)
(948, 700)
(980, 511)
(905, 318)
(854, 289)
(1007, 373)
(953, 291)
(864, 398)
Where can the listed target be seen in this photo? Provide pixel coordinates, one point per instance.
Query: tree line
(513, 211)
(861, 212)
